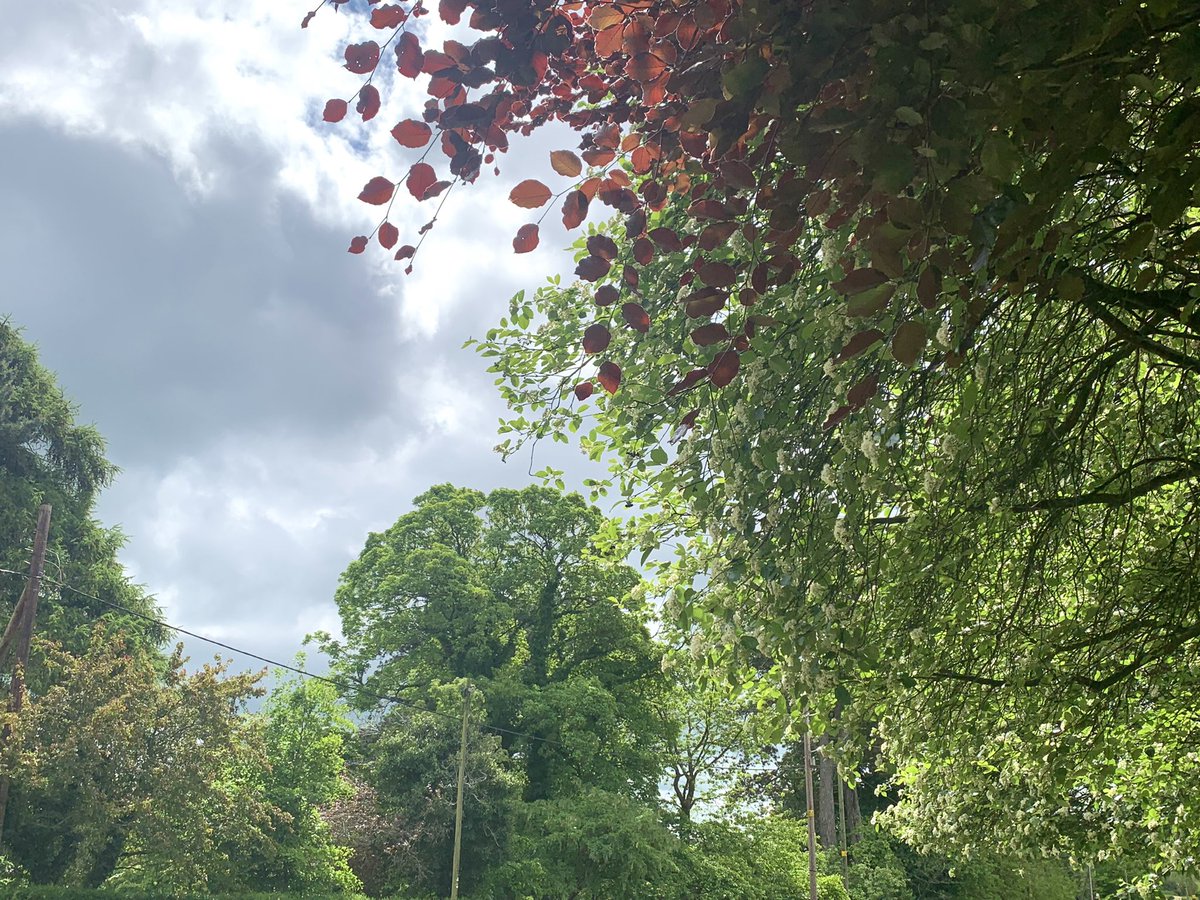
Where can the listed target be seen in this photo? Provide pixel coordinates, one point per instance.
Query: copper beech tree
(923, 278)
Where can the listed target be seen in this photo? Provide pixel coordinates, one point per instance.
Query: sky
(174, 218)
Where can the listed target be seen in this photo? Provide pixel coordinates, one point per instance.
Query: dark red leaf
(406, 252)
(630, 276)
(602, 245)
(724, 367)
(667, 239)
(583, 390)
(637, 317)
(451, 10)
(377, 191)
(758, 278)
(738, 174)
(610, 376)
(606, 295)
(358, 244)
(308, 17)
(593, 268)
(704, 302)
(575, 209)
(599, 156)
(412, 133)
(858, 344)
(420, 179)
(335, 111)
(388, 16)
(710, 209)
(530, 194)
(526, 239)
(689, 381)
(717, 274)
(368, 102)
(858, 395)
(713, 333)
(860, 280)
(716, 234)
(645, 67)
(596, 338)
(388, 235)
(408, 55)
(836, 416)
(643, 251)
(362, 58)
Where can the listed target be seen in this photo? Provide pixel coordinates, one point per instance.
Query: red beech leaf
(606, 295)
(643, 251)
(377, 191)
(630, 276)
(526, 239)
(575, 209)
(598, 156)
(703, 303)
(908, 342)
(530, 194)
(592, 268)
(710, 209)
(602, 17)
(717, 274)
(583, 390)
(358, 244)
(564, 162)
(388, 16)
(388, 235)
(713, 333)
(636, 317)
(420, 179)
(451, 10)
(836, 417)
(715, 235)
(610, 376)
(861, 342)
(860, 280)
(758, 278)
(608, 41)
(724, 367)
(590, 187)
(602, 245)
(738, 174)
(434, 189)
(335, 111)
(645, 67)
(929, 287)
(596, 338)
(368, 102)
(412, 133)
(408, 55)
(667, 239)
(362, 59)
(406, 252)
(689, 381)
(858, 395)
(308, 17)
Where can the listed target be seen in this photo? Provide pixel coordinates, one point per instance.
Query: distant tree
(521, 593)
(46, 457)
(124, 770)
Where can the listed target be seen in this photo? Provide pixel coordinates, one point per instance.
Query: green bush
(830, 887)
(999, 879)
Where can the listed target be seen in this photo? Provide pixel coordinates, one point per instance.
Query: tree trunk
(853, 814)
(827, 781)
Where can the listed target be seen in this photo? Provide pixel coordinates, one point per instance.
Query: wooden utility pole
(458, 802)
(18, 637)
(841, 796)
(812, 814)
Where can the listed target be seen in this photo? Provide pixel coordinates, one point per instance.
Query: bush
(830, 887)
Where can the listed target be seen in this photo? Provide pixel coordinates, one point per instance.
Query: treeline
(603, 760)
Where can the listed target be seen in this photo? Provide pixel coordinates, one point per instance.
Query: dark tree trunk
(827, 781)
(853, 814)
(540, 638)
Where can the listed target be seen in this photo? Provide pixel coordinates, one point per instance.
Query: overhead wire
(344, 686)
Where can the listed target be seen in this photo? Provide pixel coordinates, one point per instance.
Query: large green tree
(524, 594)
(47, 457)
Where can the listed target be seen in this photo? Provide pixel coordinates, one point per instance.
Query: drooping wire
(343, 686)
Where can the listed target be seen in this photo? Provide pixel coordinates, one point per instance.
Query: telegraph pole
(808, 799)
(458, 802)
(18, 637)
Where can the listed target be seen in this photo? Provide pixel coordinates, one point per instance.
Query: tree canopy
(912, 291)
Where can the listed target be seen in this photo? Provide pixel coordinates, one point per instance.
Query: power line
(341, 685)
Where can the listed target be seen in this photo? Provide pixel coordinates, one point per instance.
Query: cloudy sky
(173, 234)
